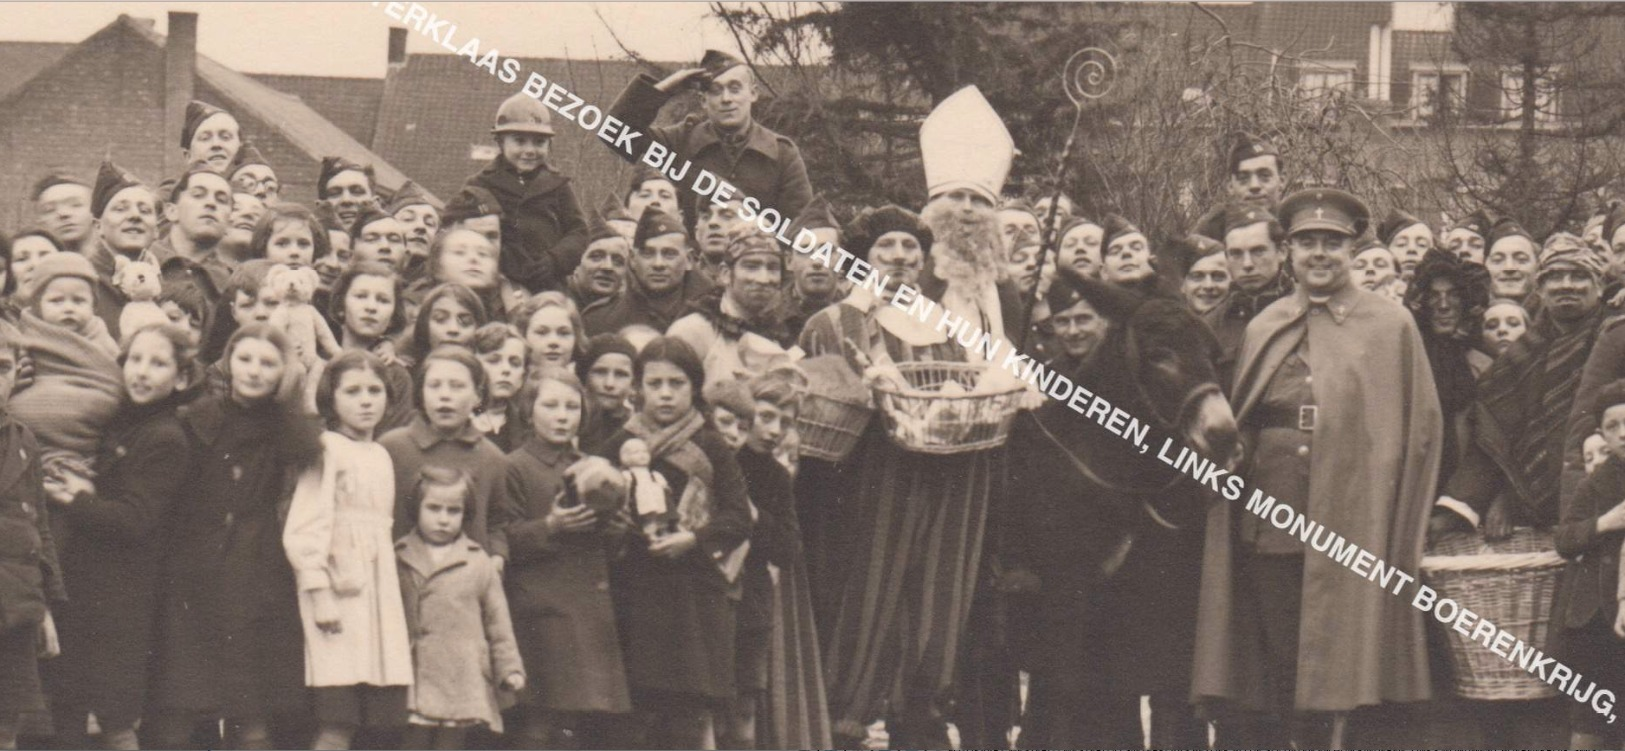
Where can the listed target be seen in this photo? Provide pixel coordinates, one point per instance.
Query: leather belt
(1294, 418)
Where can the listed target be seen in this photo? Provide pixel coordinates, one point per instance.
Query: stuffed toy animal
(307, 332)
(141, 284)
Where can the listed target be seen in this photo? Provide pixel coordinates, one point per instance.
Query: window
(1318, 78)
(1438, 92)
(1546, 106)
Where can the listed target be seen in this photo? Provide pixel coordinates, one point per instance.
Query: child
(78, 384)
(289, 234)
(1595, 451)
(117, 524)
(458, 616)
(543, 231)
(450, 314)
(780, 682)
(357, 654)
(501, 351)
(564, 522)
(606, 368)
(552, 328)
(28, 563)
(451, 385)
(729, 410)
(1588, 535)
(246, 299)
(229, 629)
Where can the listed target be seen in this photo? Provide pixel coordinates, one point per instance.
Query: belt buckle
(1306, 417)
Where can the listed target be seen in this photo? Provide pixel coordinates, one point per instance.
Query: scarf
(769, 326)
(1523, 407)
(674, 444)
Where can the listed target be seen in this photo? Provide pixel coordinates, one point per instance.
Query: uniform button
(1303, 451)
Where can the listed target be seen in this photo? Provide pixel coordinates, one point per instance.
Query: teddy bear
(141, 284)
(308, 333)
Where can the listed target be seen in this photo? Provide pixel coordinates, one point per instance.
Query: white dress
(338, 538)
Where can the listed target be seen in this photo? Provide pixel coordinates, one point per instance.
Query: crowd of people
(505, 473)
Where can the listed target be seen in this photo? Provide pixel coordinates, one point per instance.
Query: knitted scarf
(1523, 406)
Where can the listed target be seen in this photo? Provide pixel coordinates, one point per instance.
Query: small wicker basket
(1510, 584)
(830, 426)
(921, 418)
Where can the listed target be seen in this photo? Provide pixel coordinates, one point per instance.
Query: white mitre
(964, 144)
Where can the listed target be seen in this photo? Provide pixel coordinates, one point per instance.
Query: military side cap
(1117, 227)
(641, 174)
(333, 165)
(246, 156)
(171, 188)
(1325, 209)
(1479, 223)
(1192, 248)
(817, 215)
(598, 229)
(717, 62)
(470, 202)
(1507, 227)
(1238, 215)
(1244, 146)
(196, 113)
(655, 223)
(110, 180)
(1018, 204)
(1392, 224)
(612, 210)
(410, 194)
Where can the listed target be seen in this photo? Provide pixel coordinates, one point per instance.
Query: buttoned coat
(543, 231)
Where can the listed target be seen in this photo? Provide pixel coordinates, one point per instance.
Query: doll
(649, 491)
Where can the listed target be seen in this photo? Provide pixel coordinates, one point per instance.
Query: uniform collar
(757, 138)
(1339, 304)
(425, 437)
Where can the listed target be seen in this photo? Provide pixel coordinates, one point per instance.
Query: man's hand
(677, 80)
(67, 486)
(574, 519)
(325, 611)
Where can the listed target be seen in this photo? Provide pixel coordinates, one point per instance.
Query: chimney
(397, 46)
(180, 71)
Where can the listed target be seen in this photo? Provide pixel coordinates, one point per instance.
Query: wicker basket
(922, 419)
(830, 427)
(1510, 584)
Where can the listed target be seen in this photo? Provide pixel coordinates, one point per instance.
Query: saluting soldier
(1332, 384)
(726, 140)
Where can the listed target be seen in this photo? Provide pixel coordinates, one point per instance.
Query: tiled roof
(290, 116)
(350, 103)
(20, 61)
(437, 112)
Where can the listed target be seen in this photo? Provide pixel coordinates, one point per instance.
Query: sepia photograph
(812, 375)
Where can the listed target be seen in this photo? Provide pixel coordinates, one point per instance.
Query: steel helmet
(522, 113)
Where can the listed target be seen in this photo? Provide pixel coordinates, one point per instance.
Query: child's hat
(58, 265)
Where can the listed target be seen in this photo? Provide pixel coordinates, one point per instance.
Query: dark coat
(1589, 585)
(558, 591)
(633, 306)
(675, 617)
(114, 557)
(30, 577)
(543, 232)
(415, 446)
(775, 538)
(230, 639)
(769, 168)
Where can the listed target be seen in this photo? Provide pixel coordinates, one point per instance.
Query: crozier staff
(1282, 629)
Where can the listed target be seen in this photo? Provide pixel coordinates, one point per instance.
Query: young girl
(28, 248)
(462, 637)
(463, 256)
(558, 579)
(289, 234)
(552, 329)
(606, 369)
(501, 351)
(449, 314)
(117, 523)
(230, 641)
(443, 434)
(357, 654)
(368, 309)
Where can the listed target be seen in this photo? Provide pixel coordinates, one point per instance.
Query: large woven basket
(830, 427)
(921, 418)
(1510, 584)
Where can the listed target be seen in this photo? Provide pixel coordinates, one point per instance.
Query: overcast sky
(350, 39)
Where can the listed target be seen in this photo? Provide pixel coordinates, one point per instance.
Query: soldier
(738, 329)
(1408, 238)
(62, 208)
(1283, 631)
(1465, 238)
(198, 208)
(347, 188)
(419, 213)
(1252, 240)
(210, 136)
(1511, 260)
(476, 209)
(543, 232)
(126, 212)
(661, 286)
(813, 284)
(1255, 172)
(725, 140)
(602, 271)
(251, 173)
